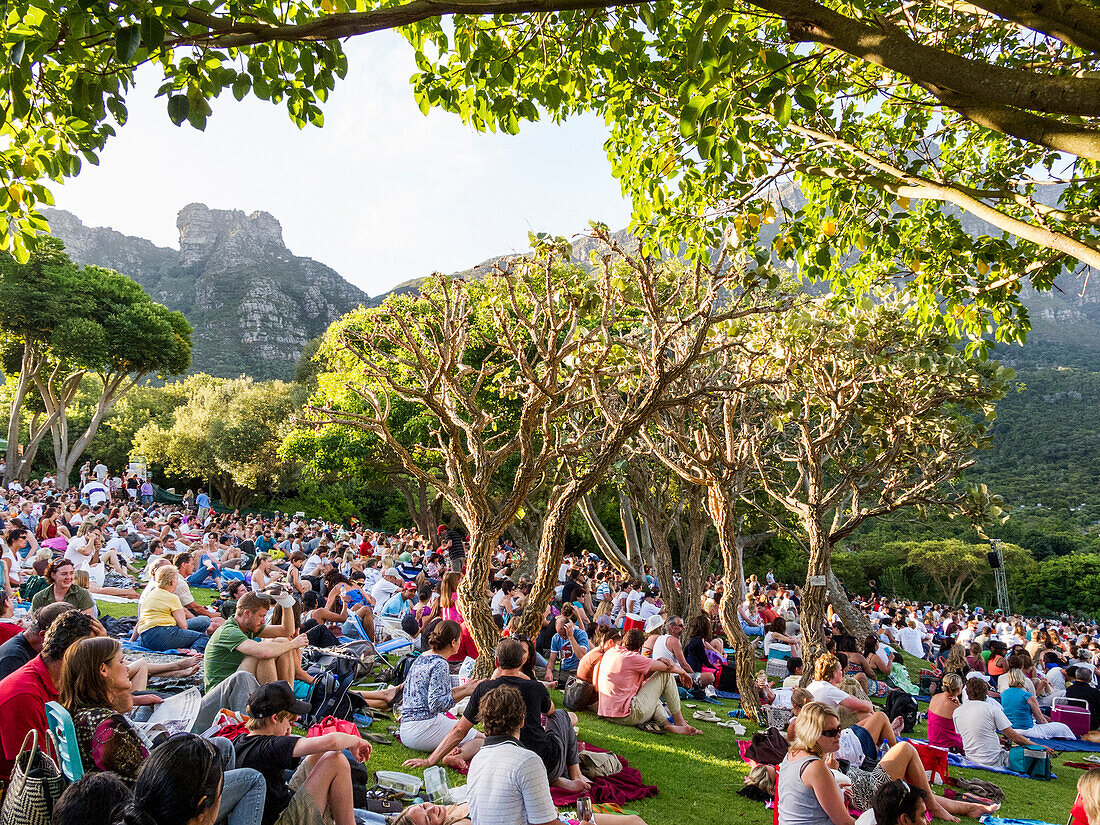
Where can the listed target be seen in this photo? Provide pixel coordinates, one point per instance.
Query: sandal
(705, 716)
(652, 727)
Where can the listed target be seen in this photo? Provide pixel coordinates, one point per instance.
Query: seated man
(555, 744)
(631, 688)
(246, 643)
(320, 787)
(1079, 686)
(978, 722)
(21, 648)
(568, 645)
(507, 783)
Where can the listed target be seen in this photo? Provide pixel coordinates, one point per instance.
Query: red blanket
(624, 786)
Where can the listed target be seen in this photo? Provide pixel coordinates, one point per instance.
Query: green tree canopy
(227, 431)
(879, 113)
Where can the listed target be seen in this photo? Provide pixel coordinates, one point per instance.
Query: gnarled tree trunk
(473, 599)
(814, 600)
(721, 508)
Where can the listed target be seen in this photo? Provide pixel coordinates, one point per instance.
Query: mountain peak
(252, 302)
(204, 230)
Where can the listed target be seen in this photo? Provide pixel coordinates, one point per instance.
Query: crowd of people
(285, 583)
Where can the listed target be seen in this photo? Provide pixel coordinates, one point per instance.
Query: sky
(381, 193)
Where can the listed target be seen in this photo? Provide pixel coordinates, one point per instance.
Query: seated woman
(941, 725)
(162, 622)
(876, 660)
(777, 632)
(183, 782)
(60, 574)
(808, 789)
(1022, 709)
(429, 695)
(702, 657)
(976, 660)
(95, 688)
(828, 674)
(956, 662)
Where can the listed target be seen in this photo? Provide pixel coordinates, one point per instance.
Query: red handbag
(330, 724)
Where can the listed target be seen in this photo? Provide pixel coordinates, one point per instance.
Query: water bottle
(435, 785)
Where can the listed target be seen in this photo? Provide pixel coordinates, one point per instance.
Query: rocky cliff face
(253, 303)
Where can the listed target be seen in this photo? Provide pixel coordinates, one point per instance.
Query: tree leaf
(17, 52)
(178, 108)
(127, 41)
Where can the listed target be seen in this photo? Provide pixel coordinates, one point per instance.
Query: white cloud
(381, 193)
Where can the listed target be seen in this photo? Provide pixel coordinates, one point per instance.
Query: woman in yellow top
(162, 623)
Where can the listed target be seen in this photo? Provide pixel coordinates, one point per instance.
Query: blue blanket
(134, 647)
(1067, 745)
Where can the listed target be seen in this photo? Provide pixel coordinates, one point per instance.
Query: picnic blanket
(624, 786)
(1000, 820)
(1067, 744)
(134, 647)
(104, 597)
(725, 694)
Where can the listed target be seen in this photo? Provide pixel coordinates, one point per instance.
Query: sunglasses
(832, 733)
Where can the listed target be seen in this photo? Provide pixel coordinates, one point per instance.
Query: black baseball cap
(274, 697)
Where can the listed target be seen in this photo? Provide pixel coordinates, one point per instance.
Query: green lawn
(698, 776)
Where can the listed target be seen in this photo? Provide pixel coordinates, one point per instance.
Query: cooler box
(1073, 712)
(778, 654)
(633, 622)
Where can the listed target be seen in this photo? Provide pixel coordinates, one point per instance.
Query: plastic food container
(406, 783)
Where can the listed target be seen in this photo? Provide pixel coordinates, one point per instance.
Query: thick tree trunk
(671, 598)
(473, 598)
(814, 600)
(551, 549)
(720, 504)
(854, 620)
(691, 554)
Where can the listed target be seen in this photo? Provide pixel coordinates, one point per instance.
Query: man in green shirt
(246, 643)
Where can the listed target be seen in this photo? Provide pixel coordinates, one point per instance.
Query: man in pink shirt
(631, 687)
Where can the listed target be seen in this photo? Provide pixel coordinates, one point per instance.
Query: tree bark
(551, 550)
(812, 613)
(473, 599)
(691, 553)
(721, 508)
(854, 620)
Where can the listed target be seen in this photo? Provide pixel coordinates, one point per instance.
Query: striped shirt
(508, 785)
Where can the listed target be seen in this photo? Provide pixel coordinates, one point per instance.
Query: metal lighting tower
(999, 576)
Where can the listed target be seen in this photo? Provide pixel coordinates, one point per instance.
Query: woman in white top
(81, 546)
(828, 674)
(264, 572)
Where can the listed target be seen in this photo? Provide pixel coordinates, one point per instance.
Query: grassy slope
(698, 776)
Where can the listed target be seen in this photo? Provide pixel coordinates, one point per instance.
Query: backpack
(31, 586)
(396, 675)
(900, 703)
(599, 763)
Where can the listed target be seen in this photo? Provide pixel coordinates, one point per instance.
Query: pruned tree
(709, 444)
(866, 414)
(538, 374)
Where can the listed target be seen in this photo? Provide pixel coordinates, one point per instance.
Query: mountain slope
(253, 304)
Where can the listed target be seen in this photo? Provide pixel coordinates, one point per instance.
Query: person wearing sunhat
(320, 787)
